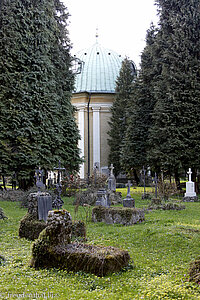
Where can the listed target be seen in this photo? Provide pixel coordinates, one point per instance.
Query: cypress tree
(175, 134)
(37, 121)
(124, 90)
(135, 144)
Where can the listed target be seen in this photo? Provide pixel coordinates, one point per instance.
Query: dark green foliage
(163, 129)
(135, 144)
(124, 91)
(175, 132)
(37, 122)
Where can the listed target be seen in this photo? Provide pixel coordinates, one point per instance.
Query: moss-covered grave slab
(75, 257)
(53, 249)
(118, 215)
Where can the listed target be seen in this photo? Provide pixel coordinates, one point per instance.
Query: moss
(125, 213)
(194, 271)
(30, 227)
(98, 260)
(167, 206)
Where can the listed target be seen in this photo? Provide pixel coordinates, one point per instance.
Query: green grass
(161, 249)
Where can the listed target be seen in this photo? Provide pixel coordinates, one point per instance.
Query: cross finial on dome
(97, 34)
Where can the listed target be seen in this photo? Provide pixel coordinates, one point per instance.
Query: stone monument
(190, 195)
(112, 180)
(129, 201)
(43, 200)
(102, 198)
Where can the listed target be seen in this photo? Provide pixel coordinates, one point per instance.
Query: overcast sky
(122, 24)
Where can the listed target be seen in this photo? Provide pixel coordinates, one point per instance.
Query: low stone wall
(118, 215)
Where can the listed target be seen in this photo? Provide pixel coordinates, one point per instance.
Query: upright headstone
(43, 200)
(39, 174)
(112, 180)
(102, 198)
(129, 201)
(190, 195)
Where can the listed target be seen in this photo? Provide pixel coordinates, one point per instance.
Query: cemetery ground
(161, 249)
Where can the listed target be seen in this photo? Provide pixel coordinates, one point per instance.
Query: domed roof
(99, 70)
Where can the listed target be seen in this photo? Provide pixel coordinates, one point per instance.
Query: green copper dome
(99, 70)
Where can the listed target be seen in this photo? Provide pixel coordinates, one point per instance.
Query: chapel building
(93, 97)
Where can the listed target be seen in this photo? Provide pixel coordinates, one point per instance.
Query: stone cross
(190, 174)
(129, 189)
(111, 170)
(39, 178)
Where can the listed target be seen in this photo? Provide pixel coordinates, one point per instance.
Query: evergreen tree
(135, 144)
(175, 134)
(124, 90)
(37, 119)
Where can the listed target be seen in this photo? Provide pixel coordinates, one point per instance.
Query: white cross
(190, 173)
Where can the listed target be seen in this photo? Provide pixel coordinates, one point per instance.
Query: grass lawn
(161, 249)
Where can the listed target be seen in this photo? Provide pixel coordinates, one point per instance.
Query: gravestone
(43, 200)
(190, 195)
(54, 249)
(111, 180)
(102, 198)
(129, 201)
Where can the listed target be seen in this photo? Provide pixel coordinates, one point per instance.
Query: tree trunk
(137, 179)
(177, 180)
(4, 182)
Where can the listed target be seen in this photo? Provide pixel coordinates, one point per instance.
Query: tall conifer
(175, 134)
(124, 90)
(37, 123)
(135, 144)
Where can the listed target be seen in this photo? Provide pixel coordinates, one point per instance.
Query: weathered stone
(30, 227)
(118, 215)
(166, 206)
(191, 199)
(54, 249)
(129, 202)
(33, 203)
(102, 198)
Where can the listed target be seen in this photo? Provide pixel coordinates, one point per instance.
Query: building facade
(93, 97)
